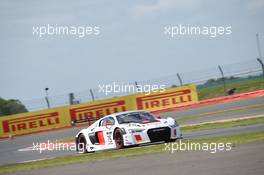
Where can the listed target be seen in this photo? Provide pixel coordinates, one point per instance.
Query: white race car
(124, 129)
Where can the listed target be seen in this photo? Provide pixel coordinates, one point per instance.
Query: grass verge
(223, 124)
(234, 139)
(246, 85)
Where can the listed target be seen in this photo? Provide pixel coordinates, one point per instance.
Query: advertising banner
(170, 98)
(33, 122)
(50, 119)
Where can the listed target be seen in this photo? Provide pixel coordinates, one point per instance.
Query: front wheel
(118, 139)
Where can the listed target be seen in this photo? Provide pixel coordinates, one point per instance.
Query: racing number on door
(106, 125)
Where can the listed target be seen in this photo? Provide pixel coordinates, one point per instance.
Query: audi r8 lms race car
(124, 129)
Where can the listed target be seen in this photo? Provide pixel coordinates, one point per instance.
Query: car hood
(147, 125)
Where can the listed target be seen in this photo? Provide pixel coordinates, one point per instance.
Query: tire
(81, 144)
(118, 139)
(172, 140)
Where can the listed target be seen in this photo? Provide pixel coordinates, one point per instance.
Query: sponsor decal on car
(109, 138)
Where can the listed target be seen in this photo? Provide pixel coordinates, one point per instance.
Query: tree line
(11, 106)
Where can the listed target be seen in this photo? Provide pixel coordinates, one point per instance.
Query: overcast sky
(131, 45)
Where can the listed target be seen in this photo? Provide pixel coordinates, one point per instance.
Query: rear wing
(86, 120)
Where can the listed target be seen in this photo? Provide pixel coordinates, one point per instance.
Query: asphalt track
(242, 160)
(10, 154)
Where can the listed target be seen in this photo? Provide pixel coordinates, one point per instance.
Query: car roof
(115, 114)
(122, 113)
(126, 112)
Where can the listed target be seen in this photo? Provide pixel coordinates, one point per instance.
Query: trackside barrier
(219, 100)
(100, 108)
(58, 118)
(171, 98)
(33, 122)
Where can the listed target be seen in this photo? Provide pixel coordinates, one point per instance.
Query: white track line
(34, 160)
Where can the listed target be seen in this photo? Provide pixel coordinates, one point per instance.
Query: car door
(103, 134)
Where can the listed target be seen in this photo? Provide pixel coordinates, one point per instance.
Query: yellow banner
(170, 98)
(100, 108)
(33, 122)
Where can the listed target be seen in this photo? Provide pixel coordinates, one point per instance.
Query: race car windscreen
(135, 118)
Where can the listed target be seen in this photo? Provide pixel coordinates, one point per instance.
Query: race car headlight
(172, 122)
(135, 130)
(175, 124)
